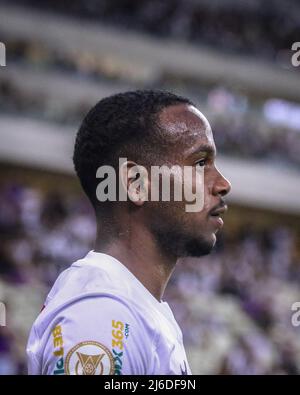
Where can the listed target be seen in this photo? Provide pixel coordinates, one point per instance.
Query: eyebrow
(205, 148)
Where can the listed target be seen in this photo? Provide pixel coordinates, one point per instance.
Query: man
(105, 314)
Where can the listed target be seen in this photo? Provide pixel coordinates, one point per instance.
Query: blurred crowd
(252, 27)
(243, 126)
(234, 306)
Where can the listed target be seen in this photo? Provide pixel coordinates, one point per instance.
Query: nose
(222, 186)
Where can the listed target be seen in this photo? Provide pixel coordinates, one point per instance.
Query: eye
(201, 162)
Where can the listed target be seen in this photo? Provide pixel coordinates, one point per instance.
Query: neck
(138, 251)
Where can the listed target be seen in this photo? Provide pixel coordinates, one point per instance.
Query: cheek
(166, 212)
(208, 195)
(204, 192)
(192, 186)
(207, 201)
(200, 218)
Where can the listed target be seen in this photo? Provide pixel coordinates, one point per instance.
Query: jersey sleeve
(98, 336)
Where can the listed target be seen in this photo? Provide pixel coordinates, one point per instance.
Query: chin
(200, 247)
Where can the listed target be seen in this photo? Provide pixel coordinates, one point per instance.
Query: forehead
(186, 127)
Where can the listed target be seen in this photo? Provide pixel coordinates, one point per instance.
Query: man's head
(153, 128)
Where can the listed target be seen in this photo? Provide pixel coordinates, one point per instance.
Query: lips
(215, 215)
(217, 221)
(218, 211)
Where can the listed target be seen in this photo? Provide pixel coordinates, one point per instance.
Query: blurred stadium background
(233, 58)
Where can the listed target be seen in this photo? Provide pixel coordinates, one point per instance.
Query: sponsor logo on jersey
(89, 358)
(126, 330)
(117, 343)
(58, 352)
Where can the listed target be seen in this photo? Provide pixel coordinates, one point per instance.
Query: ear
(134, 181)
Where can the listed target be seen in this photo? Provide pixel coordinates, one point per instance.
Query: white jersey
(100, 319)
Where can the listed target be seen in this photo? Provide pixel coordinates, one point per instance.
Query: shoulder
(103, 334)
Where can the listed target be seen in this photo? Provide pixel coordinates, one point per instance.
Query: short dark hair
(120, 125)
